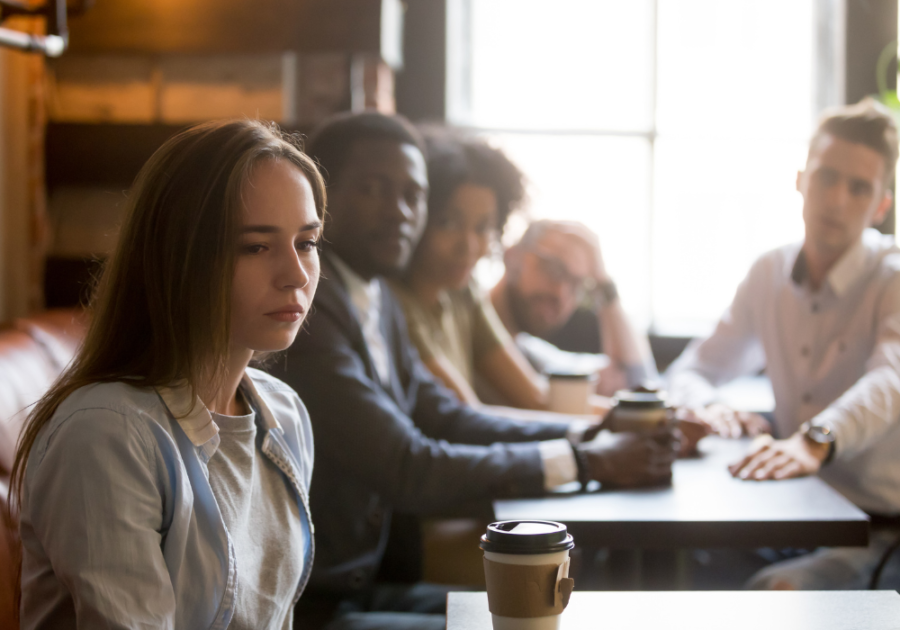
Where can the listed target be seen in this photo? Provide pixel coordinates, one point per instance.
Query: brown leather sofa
(33, 353)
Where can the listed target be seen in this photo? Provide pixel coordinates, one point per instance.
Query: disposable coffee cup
(526, 568)
(639, 412)
(571, 392)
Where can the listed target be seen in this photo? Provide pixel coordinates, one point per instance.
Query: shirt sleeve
(731, 351)
(872, 405)
(559, 463)
(95, 507)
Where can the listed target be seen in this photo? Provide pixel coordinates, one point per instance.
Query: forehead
(849, 158)
(383, 156)
(473, 198)
(568, 248)
(277, 188)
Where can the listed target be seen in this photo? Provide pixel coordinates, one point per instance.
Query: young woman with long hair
(162, 483)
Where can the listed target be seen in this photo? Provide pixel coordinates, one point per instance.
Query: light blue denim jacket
(119, 525)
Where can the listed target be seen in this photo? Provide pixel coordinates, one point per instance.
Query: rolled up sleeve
(872, 405)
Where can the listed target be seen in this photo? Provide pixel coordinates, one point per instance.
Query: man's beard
(519, 308)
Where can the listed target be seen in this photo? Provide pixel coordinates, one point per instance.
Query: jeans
(835, 568)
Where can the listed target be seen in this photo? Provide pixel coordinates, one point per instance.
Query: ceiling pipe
(53, 44)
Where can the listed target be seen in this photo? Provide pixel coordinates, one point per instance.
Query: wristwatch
(604, 294)
(820, 434)
(584, 476)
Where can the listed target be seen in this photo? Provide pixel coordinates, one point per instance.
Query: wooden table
(704, 508)
(710, 610)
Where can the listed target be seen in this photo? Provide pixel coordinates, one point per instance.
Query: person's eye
(445, 223)
(255, 248)
(860, 189)
(416, 197)
(372, 187)
(309, 245)
(826, 177)
(485, 229)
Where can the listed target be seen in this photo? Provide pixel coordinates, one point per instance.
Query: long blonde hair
(161, 311)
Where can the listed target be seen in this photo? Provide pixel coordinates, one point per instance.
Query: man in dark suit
(387, 435)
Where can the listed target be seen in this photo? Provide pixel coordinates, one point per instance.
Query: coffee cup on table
(526, 568)
(639, 412)
(570, 392)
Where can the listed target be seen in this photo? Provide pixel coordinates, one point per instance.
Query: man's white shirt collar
(366, 299)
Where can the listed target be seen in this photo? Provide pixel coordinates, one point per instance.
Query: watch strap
(605, 294)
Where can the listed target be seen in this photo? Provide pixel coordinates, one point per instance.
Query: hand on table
(692, 431)
(727, 422)
(610, 379)
(780, 459)
(630, 459)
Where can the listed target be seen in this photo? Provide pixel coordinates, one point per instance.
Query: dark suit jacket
(410, 445)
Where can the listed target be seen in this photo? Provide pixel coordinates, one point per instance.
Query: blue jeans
(835, 568)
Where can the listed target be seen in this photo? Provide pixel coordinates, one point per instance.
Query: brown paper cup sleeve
(516, 590)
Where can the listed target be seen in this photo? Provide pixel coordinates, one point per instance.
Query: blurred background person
(556, 267)
(823, 318)
(473, 189)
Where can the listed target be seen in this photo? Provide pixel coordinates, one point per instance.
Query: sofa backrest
(33, 353)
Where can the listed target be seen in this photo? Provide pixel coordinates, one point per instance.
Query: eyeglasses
(557, 272)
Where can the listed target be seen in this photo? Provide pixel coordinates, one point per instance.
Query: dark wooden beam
(227, 26)
(421, 85)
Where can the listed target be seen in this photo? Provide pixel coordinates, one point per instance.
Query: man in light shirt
(388, 436)
(822, 317)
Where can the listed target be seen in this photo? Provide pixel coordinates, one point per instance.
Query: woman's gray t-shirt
(263, 518)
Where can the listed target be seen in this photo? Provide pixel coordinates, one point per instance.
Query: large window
(673, 128)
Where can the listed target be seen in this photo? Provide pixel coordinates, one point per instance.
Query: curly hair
(454, 160)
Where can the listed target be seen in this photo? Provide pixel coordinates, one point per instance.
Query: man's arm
(731, 351)
(448, 454)
(858, 418)
(629, 352)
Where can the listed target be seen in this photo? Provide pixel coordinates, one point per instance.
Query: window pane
(735, 109)
(575, 64)
(602, 182)
(718, 207)
(741, 66)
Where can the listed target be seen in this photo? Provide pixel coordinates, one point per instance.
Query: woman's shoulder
(116, 396)
(102, 414)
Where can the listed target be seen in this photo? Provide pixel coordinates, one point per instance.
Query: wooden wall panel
(227, 26)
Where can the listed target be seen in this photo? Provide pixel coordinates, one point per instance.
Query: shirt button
(804, 351)
(807, 398)
(815, 308)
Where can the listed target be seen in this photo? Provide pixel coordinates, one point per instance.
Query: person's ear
(883, 207)
(799, 182)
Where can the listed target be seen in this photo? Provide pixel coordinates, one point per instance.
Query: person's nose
(294, 272)
(839, 194)
(402, 211)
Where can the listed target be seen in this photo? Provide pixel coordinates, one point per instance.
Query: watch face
(822, 435)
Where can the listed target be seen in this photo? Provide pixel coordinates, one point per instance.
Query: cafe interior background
(673, 128)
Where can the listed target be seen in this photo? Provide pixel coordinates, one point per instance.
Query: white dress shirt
(833, 357)
(366, 298)
(557, 457)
